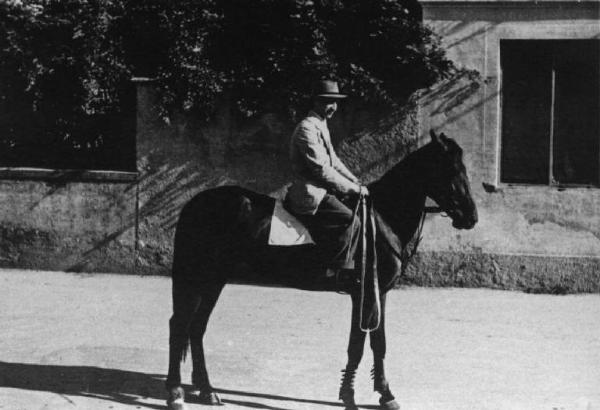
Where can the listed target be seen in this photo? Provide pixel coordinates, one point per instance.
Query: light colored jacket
(316, 168)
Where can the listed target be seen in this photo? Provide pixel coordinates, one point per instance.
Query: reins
(367, 216)
(364, 210)
(418, 236)
(406, 256)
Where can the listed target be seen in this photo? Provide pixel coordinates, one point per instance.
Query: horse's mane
(410, 174)
(399, 200)
(404, 181)
(404, 167)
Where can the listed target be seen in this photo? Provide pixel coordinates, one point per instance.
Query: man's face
(325, 107)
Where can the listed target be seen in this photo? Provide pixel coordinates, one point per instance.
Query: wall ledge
(535, 2)
(515, 187)
(594, 4)
(66, 175)
(553, 274)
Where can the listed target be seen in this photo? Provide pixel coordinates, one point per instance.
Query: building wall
(67, 225)
(529, 228)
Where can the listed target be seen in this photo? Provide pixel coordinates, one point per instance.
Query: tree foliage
(62, 84)
(65, 65)
(266, 55)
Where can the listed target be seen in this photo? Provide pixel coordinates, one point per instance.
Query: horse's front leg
(356, 347)
(380, 383)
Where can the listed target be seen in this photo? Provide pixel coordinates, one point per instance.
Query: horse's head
(447, 182)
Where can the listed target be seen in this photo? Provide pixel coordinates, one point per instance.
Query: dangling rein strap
(369, 282)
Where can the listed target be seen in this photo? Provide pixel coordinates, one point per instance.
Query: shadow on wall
(166, 191)
(463, 32)
(379, 142)
(179, 163)
(452, 93)
(460, 33)
(176, 161)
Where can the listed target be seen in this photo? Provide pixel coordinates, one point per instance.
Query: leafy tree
(66, 65)
(63, 84)
(267, 54)
(166, 41)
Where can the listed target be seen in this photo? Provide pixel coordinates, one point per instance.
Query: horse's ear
(439, 139)
(434, 137)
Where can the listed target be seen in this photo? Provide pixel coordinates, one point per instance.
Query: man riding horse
(321, 180)
(222, 237)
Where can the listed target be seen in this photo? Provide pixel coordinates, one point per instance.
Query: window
(55, 136)
(550, 112)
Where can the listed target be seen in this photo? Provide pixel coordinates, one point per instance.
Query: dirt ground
(101, 342)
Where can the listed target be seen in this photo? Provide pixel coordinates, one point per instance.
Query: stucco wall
(72, 226)
(533, 228)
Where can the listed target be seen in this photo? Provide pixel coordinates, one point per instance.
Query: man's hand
(360, 190)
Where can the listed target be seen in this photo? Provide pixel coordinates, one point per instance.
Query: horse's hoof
(390, 405)
(177, 404)
(176, 399)
(347, 397)
(208, 398)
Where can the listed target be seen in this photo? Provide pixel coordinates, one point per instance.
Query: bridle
(433, 210)
(405, 257)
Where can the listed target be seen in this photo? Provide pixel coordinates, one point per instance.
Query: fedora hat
(328, 89)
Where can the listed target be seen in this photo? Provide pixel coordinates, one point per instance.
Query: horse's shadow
(121, 386)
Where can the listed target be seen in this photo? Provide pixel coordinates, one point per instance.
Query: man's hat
(328, 89)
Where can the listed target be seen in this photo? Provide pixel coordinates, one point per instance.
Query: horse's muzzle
(464, 222)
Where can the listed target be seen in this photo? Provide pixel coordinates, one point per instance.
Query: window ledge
(66, 175)
(497, 3)
(516, 186)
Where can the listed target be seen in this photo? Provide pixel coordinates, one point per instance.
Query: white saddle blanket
(286, 229)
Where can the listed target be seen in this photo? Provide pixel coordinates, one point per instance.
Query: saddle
(287, 230)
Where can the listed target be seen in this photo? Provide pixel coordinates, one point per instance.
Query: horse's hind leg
(206, 393)
(188, 299)
(185, 303)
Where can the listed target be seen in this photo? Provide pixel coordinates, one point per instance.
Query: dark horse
(221, 237)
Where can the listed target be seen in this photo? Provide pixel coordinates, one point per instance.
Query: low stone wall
(529, 273)
(69, 226)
